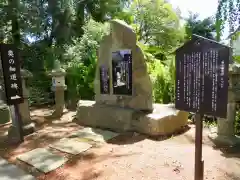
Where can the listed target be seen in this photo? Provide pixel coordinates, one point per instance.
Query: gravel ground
(129, 157)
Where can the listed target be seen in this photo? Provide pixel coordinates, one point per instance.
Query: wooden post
(199, 163)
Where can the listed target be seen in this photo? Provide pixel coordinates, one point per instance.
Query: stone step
(12, 172)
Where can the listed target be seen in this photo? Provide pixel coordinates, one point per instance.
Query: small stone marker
(12, 172)
(42, 159)
(71, 146)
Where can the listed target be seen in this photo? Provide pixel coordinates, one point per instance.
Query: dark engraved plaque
(122, 72)
(202, 77)
(11, 72)
(104, 80)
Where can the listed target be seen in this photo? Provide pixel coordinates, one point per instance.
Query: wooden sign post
(202, 85)
(13, 83)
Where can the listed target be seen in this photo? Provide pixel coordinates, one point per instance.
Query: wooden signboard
(11, 74)
(202, 77)
(202, 85)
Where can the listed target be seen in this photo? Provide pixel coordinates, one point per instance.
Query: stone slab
(164, 120)
(95, 134)
(12, 172)
(42, 159)
(117, 119)
(71, 146)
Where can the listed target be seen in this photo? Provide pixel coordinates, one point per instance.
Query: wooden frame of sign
(202, 85)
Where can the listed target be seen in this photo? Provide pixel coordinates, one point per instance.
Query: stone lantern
(28, 125)
(225, 134)
(58, 86)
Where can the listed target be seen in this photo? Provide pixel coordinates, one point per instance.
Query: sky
(205, 8)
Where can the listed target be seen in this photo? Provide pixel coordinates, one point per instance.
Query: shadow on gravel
(229, 152)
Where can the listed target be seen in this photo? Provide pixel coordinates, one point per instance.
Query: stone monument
(123, 90)
(59, 87)
(225, 134)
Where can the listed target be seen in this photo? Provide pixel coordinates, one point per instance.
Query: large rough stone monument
(123, 90)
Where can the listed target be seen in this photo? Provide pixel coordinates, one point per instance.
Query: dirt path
(132, 157)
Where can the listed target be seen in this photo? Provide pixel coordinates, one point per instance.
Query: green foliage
(236, 59)
(40, 89)
(227, 13)
(157, 24)
(162, 77)
(203, 27)
(237, 122)
(81, 57)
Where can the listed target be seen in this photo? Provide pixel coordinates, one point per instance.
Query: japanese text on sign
(11, 73)
(202, 77)
(104, 80)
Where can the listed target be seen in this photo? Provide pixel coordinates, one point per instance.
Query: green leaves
(80, 58)
(157, 24)
(227, 12)
(205, 27)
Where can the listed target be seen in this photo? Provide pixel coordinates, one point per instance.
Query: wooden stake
(199, 163)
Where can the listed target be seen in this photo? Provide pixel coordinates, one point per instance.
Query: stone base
(29, 128)
(221, 140)
(104, 116)
(4, 114)
(164, 120)
(13, 135)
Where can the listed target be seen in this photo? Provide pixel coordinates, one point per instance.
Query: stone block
(164, 120)
(42, 159)
(94, 134)
(4, 114)
(70, 146)
(104, 116)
